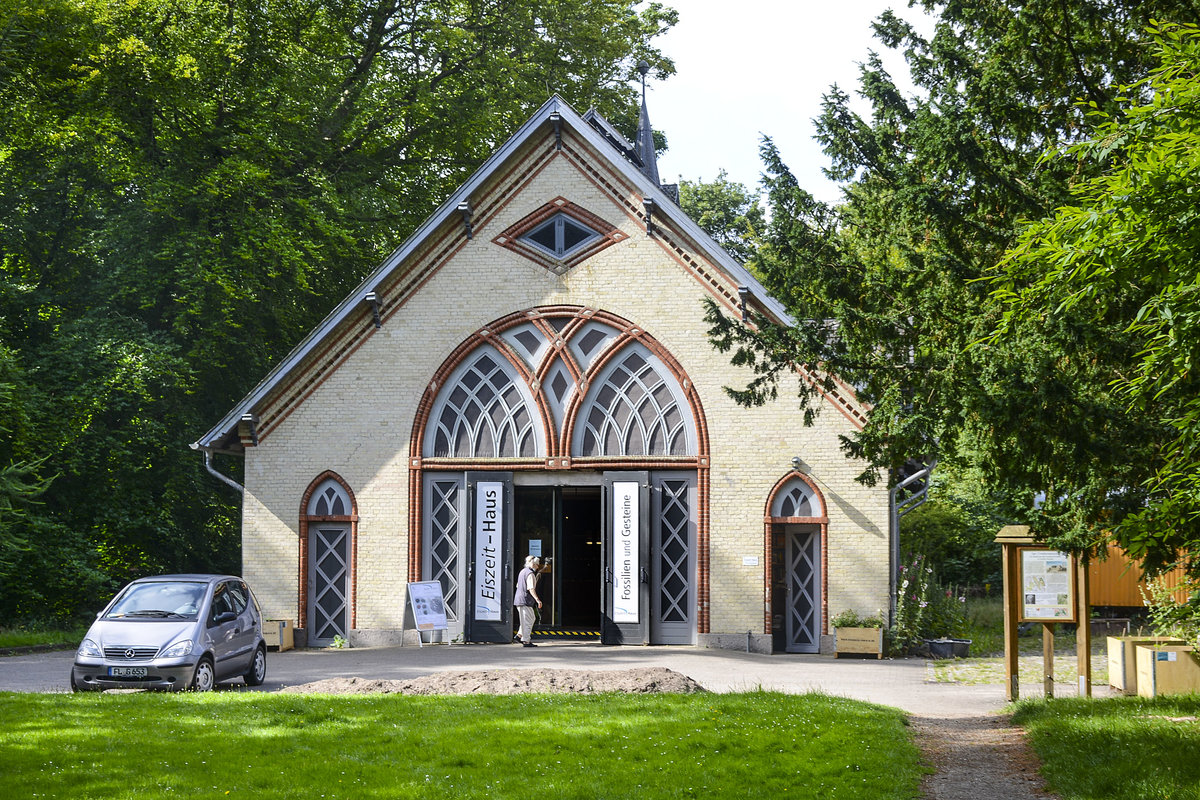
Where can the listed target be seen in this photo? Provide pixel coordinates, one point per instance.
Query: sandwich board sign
(428, 607)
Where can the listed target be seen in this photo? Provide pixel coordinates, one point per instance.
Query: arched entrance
(797, 525)
(572, 434)
(328, 523)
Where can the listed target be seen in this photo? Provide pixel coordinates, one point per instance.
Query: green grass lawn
(1127, 748)
(228, 744)
(22, 637)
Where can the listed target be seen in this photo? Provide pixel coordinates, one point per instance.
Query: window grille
(329, 500)
(633, 410)
(484, 411)
(796, 499)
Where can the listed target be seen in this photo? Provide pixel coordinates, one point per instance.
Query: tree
(187, 188)
(727, 212)
(1124, 254)
(887, 291)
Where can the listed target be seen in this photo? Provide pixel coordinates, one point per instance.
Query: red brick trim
(305, 519)
(510, 237)
(769, 524)
(558, 447)
(784, 481)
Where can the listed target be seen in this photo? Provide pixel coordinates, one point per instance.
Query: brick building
(530, 372)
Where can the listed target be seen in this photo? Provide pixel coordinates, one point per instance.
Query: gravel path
(977, 758)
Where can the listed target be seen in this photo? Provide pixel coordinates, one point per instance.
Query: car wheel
(74, 687)
(205, 678)
(258, 667)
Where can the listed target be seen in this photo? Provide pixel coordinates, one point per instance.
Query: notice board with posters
(1047, 585)
(428, 606)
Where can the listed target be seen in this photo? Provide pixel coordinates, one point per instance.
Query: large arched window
(561, 382)
(485, 411)
(635, 408)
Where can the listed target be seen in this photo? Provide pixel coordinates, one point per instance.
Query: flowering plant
(924, 609)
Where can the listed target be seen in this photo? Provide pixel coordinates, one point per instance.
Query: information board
(428, 605)
(1047, 585)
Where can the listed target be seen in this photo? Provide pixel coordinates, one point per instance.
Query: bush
(924, 608)
(1168, 616)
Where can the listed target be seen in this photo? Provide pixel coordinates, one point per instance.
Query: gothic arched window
(634, 408)
(796, 499)
(485, 411)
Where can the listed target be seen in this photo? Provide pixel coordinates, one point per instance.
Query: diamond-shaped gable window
(560, 236)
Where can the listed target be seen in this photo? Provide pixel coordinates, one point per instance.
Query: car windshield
(159, 600)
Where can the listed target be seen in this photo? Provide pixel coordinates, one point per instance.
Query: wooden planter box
(859, 641)
(1122, 661)
(1167, 669)
(278, 633)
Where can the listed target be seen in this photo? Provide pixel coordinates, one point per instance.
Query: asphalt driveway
(902, 683)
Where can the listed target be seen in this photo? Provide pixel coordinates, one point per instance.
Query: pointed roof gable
(555, 113)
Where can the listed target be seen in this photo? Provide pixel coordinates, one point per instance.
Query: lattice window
(796, 499)
(484, 411)
(443, 545)
(674, 564)
(634, 409)
(329, 500)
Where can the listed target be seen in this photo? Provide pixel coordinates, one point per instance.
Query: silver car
(174, 632)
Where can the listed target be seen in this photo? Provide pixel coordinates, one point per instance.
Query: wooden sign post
(1046, 586)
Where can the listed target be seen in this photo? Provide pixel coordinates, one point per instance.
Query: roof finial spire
(644, 146)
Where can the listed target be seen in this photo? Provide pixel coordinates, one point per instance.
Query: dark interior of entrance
(562, 525)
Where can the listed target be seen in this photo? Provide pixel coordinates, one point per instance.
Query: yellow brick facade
(357, 418)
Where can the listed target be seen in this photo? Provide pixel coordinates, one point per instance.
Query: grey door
(672, 559)
(490, 555)
(803, 598)
(444, 529)
(328, 582)
(626, 558)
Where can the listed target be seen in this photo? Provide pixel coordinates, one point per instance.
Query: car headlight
(90, 649)
(178, 649)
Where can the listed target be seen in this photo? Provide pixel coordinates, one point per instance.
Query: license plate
(127, 672)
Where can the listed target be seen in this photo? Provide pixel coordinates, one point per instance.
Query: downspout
(895, 512)
(225, 479)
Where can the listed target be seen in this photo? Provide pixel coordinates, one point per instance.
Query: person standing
(526, 598)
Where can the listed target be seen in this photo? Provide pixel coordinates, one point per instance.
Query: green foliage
(187, 188)
(1127, 748)
(852, 619)
(924, 608)
(1122, 256)
(889, 290)
(727, 212)
(956, 528)
(1172, 617)
(612, 746)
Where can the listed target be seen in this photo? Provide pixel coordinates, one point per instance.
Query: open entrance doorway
(562, 524)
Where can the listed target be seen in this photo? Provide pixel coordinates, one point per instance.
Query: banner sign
(489, 523)
(625, 551)
(428, 606)
(1047, 586)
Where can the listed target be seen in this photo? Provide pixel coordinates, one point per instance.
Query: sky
(745, 68)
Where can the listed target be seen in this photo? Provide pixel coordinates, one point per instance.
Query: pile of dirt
(514, 681)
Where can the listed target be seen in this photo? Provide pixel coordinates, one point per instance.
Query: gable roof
(556, 111)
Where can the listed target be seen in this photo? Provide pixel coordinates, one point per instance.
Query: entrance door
(328, 605)
(626, 554)
(672, 555)
(490, 578)
(802, 602)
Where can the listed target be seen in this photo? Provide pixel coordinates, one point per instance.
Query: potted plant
(857, 634)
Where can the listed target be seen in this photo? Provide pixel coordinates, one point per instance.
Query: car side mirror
(225, 616)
